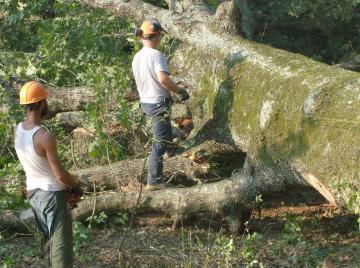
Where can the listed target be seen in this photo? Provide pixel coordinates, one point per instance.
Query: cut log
(70, 120)
(15, 221)
(231, 198)
(210, 160)
(69, 99)
(66, 99)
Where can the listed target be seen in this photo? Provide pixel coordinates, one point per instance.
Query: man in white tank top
(46, 179)
(152, 79)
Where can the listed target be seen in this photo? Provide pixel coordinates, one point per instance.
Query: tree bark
(59, 99)
(231, 198)
(197, 164)
(191, 168)
(70, 120)
(66, 99)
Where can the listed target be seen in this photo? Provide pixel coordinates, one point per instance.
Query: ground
(294, 229)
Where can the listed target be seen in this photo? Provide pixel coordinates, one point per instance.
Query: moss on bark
(303, 116)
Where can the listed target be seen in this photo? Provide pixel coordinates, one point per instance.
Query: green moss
(213, 4)
(229, 100)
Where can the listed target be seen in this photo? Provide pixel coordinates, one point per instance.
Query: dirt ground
(294, 229)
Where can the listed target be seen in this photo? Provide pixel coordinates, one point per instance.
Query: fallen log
(66, 99)
(210, 160)
(59, 99)
(69, 99)
(70, 120)
(230, 198)
(14, 221)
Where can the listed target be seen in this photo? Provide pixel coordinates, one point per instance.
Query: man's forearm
(67, 179)
(170, 85)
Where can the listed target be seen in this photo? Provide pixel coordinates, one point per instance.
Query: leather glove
(182, 95)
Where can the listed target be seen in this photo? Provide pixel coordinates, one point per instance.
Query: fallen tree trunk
(70, 120)
(287, 112)
(66, 99)
(195, 166)
(230, 198)
(209, 160)
(59, 99)
(15, 222)
(120, 174)
(69, 99)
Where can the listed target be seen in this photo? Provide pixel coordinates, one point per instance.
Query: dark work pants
(161, 123)
(54, 220)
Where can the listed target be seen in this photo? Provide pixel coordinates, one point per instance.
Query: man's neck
(33, 118)
(149, 45)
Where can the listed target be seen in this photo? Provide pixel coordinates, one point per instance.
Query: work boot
(157, 186)
(168, 154)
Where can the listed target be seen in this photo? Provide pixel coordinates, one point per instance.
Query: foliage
(213, 4)
(324, 30)
(10, 115)
(18, 21)
(99, 220)
(249, 250)
(353, 201)
(74, 46)
(81, 235)
(121, 218)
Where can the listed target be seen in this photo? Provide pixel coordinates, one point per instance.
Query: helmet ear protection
(137, 32)
(156, 26)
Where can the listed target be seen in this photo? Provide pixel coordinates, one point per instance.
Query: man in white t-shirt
(152, 79)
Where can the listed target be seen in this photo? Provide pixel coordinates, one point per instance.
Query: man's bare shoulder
(45, 136)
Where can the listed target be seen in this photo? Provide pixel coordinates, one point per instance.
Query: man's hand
(169, 84)
(74, 196)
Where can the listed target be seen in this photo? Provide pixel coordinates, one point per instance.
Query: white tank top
(37, 169)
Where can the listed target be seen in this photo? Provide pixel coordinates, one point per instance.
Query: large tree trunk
(118, 176)
(231, 198)
(65, 99)
(207, 161)
(287, 112)
(188, 169)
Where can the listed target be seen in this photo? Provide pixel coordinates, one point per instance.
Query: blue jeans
(54, 220)
(161, 123)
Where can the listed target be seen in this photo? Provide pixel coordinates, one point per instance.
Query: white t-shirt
(146, 64)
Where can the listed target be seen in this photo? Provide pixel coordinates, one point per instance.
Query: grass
(288, 235)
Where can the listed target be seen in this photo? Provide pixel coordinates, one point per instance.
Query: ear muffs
(137, 32)
(156, 27)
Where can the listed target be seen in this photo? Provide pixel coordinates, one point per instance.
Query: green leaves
(353, 201)
(319, 29)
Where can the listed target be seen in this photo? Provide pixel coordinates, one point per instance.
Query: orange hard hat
(32, 92)
(150, 27)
